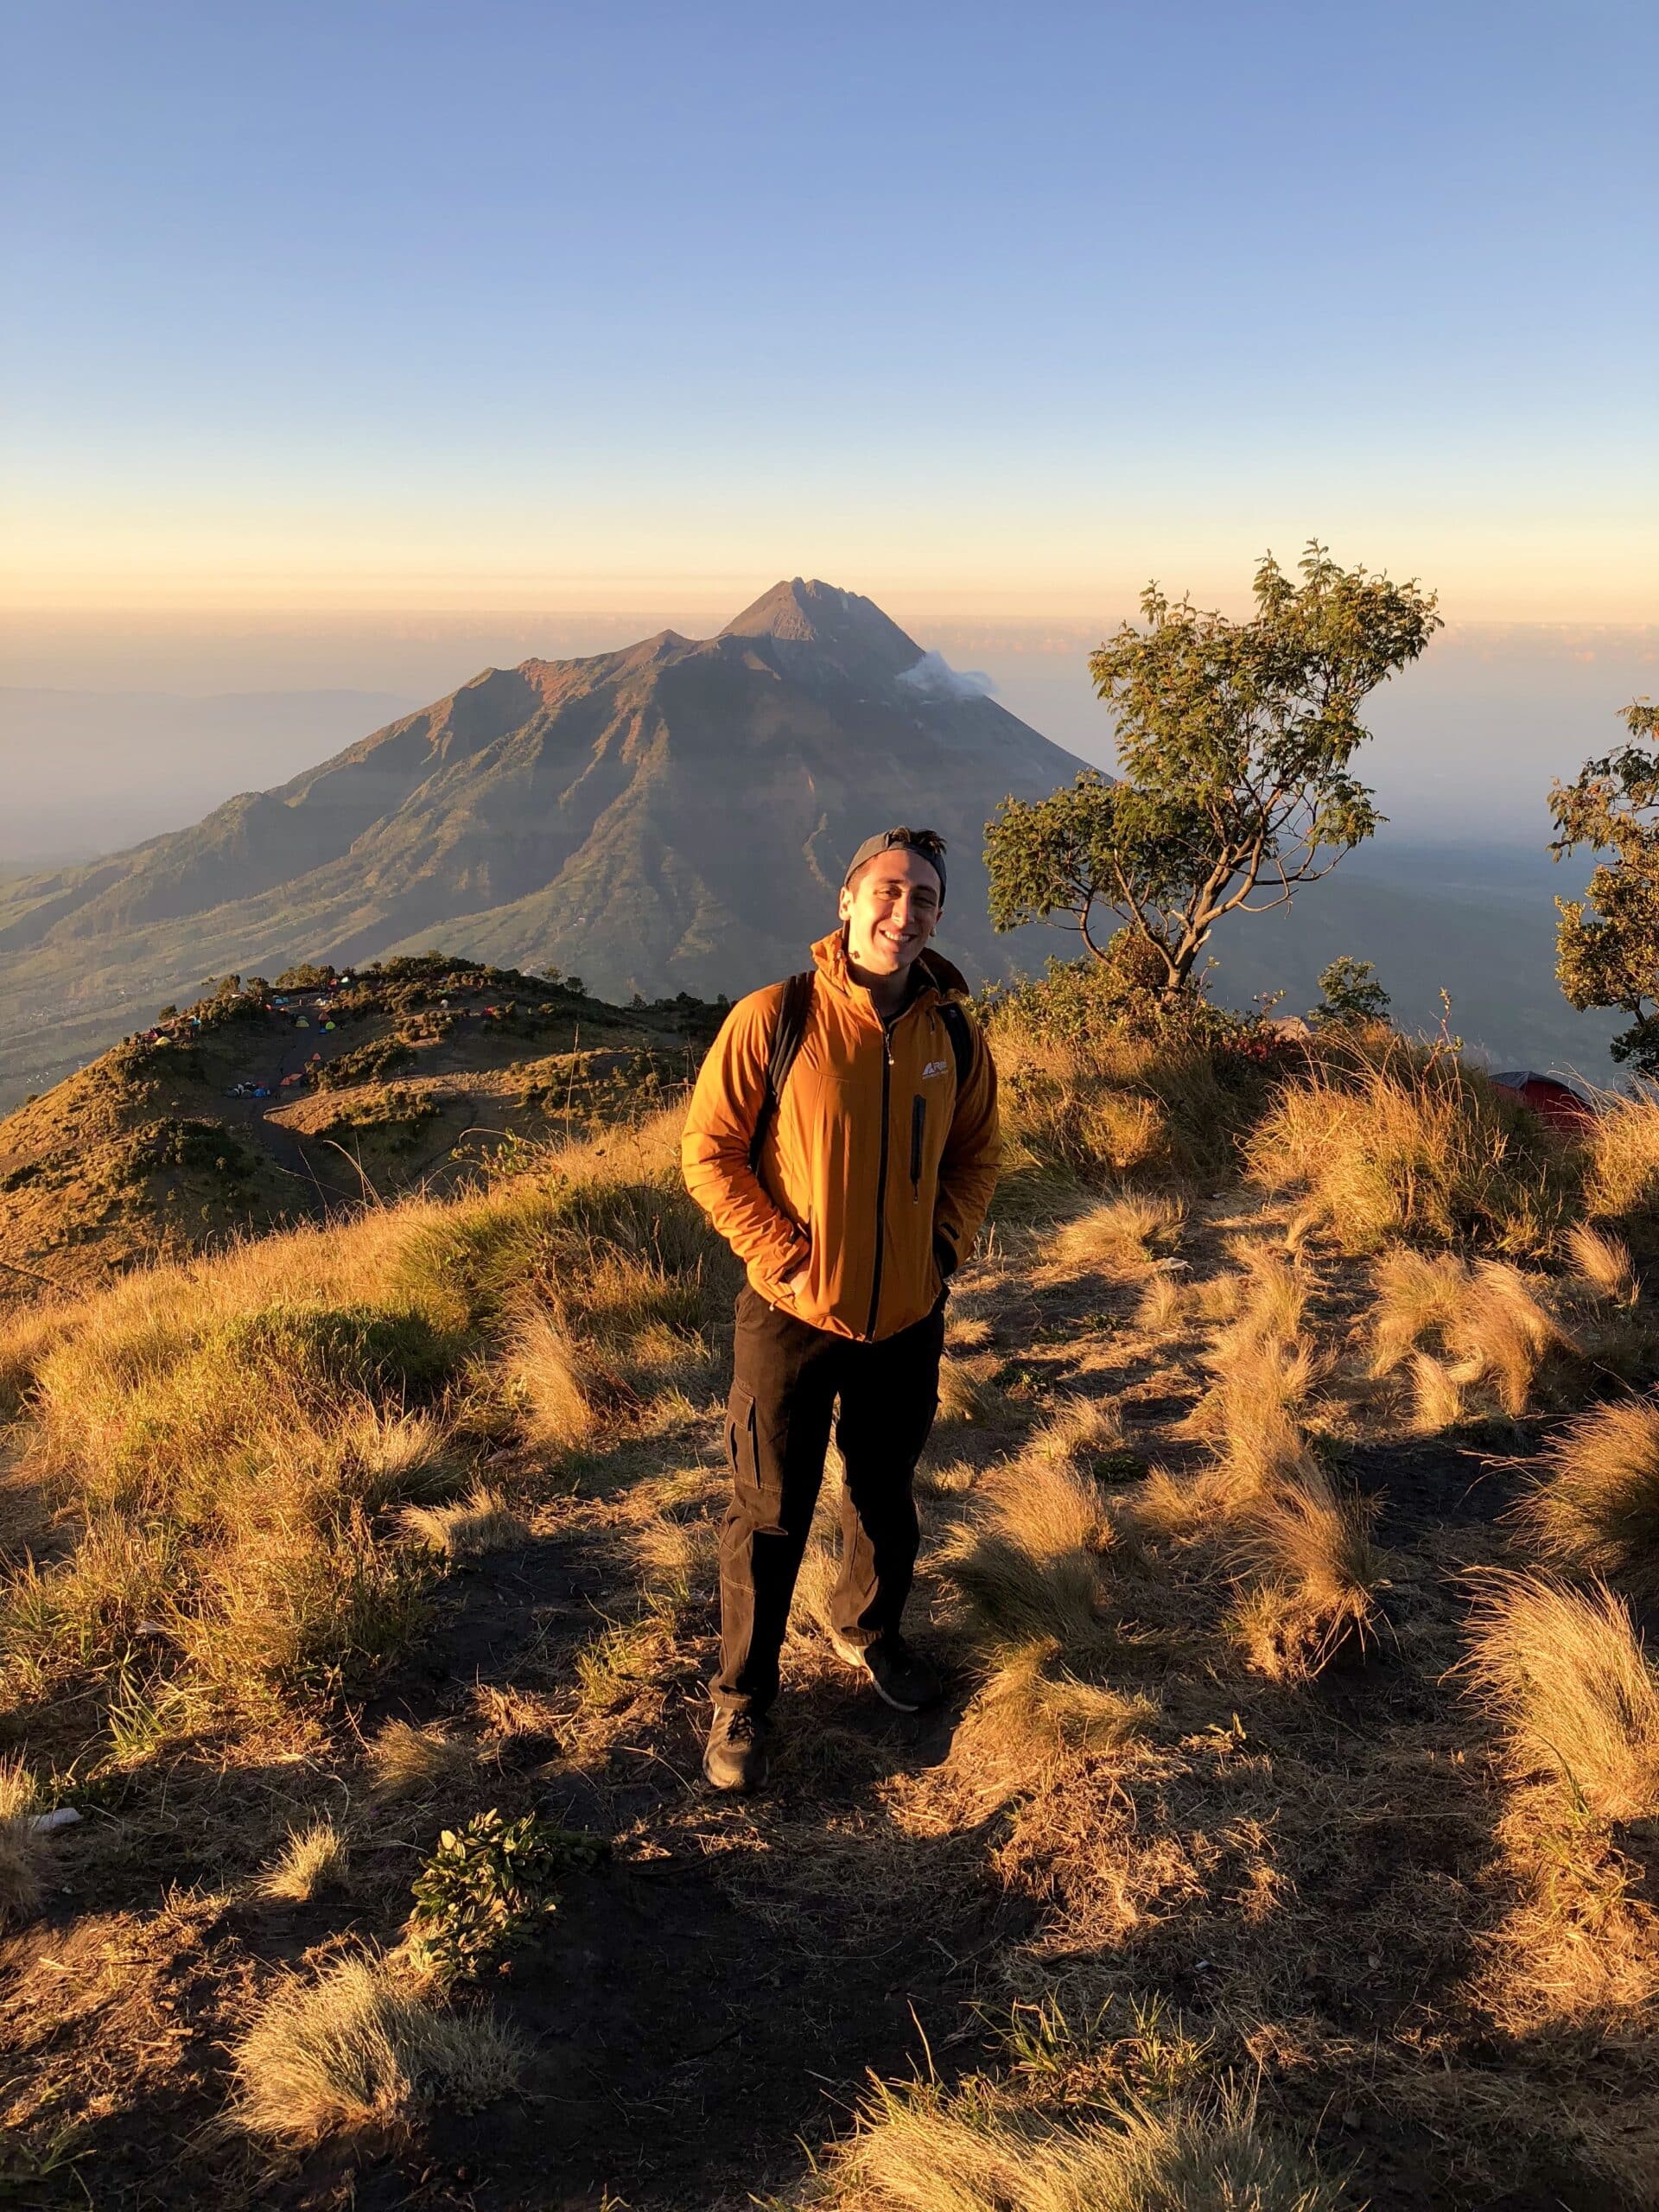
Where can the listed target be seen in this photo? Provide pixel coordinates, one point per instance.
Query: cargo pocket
(743, 1446)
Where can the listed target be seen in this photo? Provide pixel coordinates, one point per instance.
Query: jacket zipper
(881, 1175)
(917, 1126)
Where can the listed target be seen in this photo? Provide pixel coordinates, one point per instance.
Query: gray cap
(926, 844)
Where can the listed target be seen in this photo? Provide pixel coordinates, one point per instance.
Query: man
(850, 1189)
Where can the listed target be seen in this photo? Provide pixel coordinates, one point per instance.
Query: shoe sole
(852, 1656)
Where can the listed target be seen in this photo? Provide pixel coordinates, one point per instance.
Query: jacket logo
(935, 1067)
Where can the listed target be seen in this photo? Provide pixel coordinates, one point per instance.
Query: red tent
(1555, 1104)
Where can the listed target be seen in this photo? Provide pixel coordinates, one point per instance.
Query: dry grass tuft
(1603, 1262)
(404, 1761)
(404, 1459)
(1319, 1573)
(1566, 1674)
(355, 2048)
(1597, 1510)
(1121, 1236)
(1419, 1296)
(24, 1855)
(553, 1379)
(1623, 1182)
(482, 1522)
(1028, 1564)
(964, 1389)
(312, 1860)
(1437, 1396)
(1487, 1327)
(1033, 1707)
(1404, 1147)
(1162, 1304)
(923, 2150)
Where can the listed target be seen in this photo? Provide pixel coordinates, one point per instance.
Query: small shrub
(487, 1889)
(354, 2047)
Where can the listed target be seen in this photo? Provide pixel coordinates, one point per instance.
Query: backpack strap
(786, 1034)
(960, 1031)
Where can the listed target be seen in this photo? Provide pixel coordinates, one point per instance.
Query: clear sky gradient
(979, 307)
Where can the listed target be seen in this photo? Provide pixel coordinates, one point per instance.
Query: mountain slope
(673, 817)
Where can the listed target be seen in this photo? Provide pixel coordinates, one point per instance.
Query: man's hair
(926, 844)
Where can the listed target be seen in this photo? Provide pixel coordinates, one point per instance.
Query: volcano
(673, 817)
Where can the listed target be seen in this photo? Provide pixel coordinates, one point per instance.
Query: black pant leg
(889, 1394)
(785, 1376)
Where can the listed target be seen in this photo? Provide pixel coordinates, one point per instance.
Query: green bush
(487, 1888)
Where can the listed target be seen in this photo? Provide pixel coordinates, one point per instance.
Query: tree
(1607, 943)
(1235, 739)
(1349, 991)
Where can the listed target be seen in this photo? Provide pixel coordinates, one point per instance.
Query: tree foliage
(1607, 943)
(1236, 741)
(1349, 992)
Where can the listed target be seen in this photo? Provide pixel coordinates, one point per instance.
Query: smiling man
(842, 1139)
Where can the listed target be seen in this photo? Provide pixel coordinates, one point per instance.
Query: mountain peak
(804, 611)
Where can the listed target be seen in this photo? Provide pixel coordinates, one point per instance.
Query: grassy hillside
(278, 1101)
(1281, 1843)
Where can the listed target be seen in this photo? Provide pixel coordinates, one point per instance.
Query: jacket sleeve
(714, 1145)
(967, 1168)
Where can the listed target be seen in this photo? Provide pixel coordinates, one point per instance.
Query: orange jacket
(871, 1156)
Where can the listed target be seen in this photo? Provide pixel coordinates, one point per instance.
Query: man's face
(891, 909)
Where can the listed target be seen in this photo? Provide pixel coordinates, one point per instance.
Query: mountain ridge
(673, 815)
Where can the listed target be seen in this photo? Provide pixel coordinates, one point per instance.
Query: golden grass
(481, 1521)
(312, 1861)
(1566, 1674)
(403, 1761)
(355, 2047)
(1027, 1562)
(1417, 1296)
(24, 1855)
(1319, 1573)
(1596, 1510)
(1484, 1328)
(1119, 1237)
(1398, 1147)
(1622, 1183)
(1604, 1262)
(921, 2150)
(964, 1389)
(1033, 1707)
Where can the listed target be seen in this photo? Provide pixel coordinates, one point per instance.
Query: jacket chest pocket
(918, 1142)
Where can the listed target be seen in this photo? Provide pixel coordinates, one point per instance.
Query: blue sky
(979, 306)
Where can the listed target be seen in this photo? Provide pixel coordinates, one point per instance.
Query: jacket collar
(936, 975)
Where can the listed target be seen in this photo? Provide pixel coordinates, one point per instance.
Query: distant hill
(279, 1101)
(673, 817)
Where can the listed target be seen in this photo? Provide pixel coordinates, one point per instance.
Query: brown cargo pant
(786, 1377)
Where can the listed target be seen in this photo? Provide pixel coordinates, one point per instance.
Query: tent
(1555, 1104)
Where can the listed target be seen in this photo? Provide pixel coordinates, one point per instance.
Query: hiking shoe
(735, 1757)
(898, 1671)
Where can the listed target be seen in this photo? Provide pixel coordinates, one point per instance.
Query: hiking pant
(786, 1376)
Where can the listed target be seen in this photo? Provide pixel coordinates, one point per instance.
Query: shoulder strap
(786, 1034)
(960, 1031)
